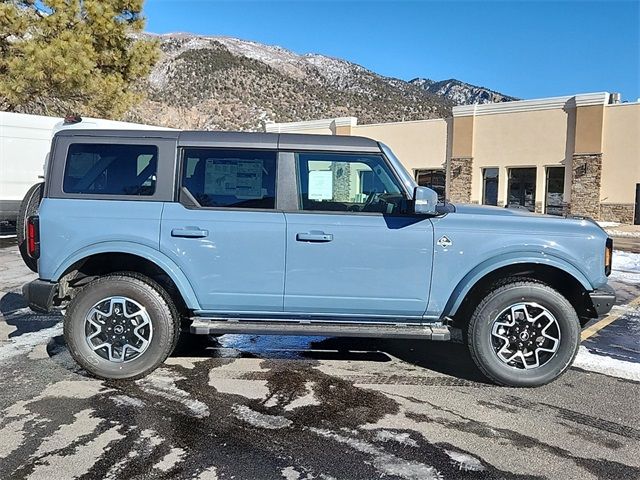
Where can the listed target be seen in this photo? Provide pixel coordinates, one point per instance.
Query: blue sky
(525, 49)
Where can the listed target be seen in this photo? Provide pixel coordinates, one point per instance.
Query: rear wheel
(121, 326)
(523, 334)
(28, 207)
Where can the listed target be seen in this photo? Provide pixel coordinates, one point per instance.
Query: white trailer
(25, 141)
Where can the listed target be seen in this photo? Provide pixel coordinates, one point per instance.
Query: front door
(522, 188)
(351, 248)
(555, 191)
(225, 233)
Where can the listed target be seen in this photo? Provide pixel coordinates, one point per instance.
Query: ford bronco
(141, 234)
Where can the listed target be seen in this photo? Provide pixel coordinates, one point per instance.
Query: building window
(522, 188)
(490, 186)
(434, 179)
(555, 191)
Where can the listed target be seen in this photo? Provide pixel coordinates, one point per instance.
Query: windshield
(407, 180)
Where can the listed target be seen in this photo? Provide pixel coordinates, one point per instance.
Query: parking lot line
(609, 319)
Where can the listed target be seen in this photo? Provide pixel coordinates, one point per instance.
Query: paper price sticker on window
(321, 185)
(242, 179)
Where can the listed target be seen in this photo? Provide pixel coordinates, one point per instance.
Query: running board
(204, 326)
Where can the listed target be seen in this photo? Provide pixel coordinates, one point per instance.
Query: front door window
(522, 188)
(348, 183)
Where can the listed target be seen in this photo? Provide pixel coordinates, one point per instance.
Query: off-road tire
(162, 312)
(499, 298)
(28, 207)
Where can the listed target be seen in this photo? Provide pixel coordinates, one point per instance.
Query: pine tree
(72, 56)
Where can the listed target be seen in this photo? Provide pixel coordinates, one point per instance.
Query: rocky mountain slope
(226, 83)
(460, 93)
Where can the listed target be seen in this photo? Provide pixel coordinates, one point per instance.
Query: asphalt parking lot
(257, 407)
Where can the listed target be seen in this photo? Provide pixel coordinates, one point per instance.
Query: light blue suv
(142, 234)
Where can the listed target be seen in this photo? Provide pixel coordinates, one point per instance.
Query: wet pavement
(260, 407)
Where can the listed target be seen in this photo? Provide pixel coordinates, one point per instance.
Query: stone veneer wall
(342, 181)
(459, 179)
(586, 175)
(617, 212)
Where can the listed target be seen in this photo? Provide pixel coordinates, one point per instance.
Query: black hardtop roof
(284, 141)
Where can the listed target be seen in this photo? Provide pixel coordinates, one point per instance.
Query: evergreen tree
(80, 56)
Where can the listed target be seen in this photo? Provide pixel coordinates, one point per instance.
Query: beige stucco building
(575, 154)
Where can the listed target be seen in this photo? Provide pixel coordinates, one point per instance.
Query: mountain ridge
(220, 82)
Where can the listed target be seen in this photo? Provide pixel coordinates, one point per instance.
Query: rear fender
(161, 260)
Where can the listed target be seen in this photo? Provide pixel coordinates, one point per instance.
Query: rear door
(225, 233)
(352, 249)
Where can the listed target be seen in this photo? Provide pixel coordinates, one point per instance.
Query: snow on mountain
(223, 82)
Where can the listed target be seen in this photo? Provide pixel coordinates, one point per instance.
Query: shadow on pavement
(443, 357)
(28, 322)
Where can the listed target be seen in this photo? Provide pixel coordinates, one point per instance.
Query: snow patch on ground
(623, 233)
(389, 436)
(171, 459)
(210, 473)
(26, 342)
(162, 383)
(608, 224)
(585, 360)
(386, 463)
(465, 461)
(625, 267)
(261, 420)
(627, 261)
(127, 401)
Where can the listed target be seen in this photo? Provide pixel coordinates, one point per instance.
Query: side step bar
(205, 326)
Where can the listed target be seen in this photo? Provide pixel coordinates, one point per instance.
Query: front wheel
(121, 326)
(523, 334)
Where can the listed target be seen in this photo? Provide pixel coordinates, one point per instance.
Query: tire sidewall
(497, 302)
(159, 313)
(29, 206)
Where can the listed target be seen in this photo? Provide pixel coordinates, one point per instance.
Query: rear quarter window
(111, 169)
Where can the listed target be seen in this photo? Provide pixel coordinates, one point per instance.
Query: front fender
(504, 260)
(140, 250)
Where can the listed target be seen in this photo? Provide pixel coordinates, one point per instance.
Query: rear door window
(111, 169)
(223, 178)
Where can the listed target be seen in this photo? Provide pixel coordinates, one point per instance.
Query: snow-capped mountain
(226, 83)
(461, 93)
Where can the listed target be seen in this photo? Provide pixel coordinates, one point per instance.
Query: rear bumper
(603, 299)
(40, 294)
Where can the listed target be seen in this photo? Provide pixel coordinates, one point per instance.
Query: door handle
(318, 237)
(189, 232)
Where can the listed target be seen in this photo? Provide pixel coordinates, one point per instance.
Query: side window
(111, 169)
(230, 178)
(348, 183)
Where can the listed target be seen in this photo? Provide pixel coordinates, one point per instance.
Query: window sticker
(239, 178)
(320, 185)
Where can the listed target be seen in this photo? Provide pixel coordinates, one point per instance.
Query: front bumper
(40, 295)
(603, 299)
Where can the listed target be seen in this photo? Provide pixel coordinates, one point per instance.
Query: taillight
(33, 236)
(608, 256)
